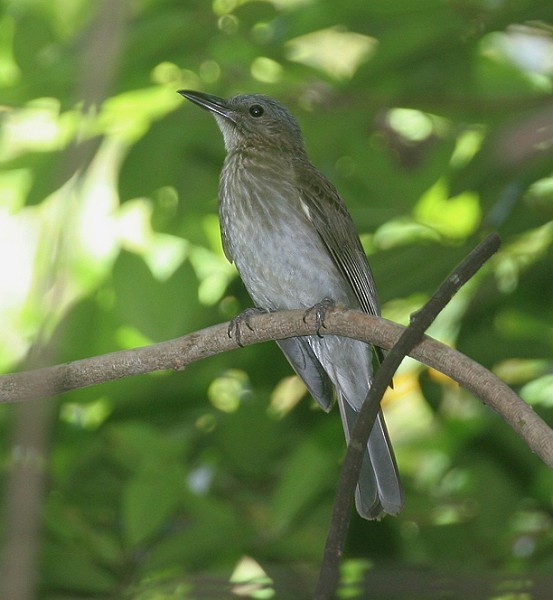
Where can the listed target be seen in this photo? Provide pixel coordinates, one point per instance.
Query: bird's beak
(212, 103)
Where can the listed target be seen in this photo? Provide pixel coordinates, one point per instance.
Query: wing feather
(339, 236)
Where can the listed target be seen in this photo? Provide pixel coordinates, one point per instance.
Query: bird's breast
(267, 232)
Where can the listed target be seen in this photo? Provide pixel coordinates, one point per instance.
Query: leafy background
(433, 118)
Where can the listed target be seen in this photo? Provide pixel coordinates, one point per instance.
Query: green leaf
(70, 567)
(302, 480)
(149, 500)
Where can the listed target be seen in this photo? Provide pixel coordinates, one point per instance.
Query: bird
(289, 234)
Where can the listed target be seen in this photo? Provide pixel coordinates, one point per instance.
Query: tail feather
(324, 363)
(379, 489)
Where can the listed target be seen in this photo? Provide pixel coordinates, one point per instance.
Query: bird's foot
(243, 317)
(320, 309)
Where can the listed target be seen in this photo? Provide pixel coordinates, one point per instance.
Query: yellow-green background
(433, 119)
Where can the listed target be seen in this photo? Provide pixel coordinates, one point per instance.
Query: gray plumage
(294, 243)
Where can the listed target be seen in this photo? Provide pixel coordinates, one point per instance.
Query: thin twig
(420, 321)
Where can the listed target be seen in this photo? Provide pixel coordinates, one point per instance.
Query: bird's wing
(327, 212)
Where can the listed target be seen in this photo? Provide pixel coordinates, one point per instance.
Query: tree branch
(178, 353)
(349, 475)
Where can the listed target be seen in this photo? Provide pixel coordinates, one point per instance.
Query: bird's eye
(256, 110)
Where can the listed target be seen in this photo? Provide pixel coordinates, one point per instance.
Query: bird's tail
(379, 489)
(346, 363)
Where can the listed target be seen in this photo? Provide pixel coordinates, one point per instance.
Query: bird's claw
(244, 317)
(320, 309)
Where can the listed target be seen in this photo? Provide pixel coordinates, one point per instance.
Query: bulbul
(291, 237)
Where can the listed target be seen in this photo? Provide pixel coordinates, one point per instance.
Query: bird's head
(251, 120)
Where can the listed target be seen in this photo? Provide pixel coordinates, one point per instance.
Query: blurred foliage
(433, 118)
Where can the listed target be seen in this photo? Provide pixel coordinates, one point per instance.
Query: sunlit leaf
(334, 51)
(453, 217)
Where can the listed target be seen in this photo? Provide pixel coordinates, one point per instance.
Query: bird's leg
(244, 317)
(320, 310)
